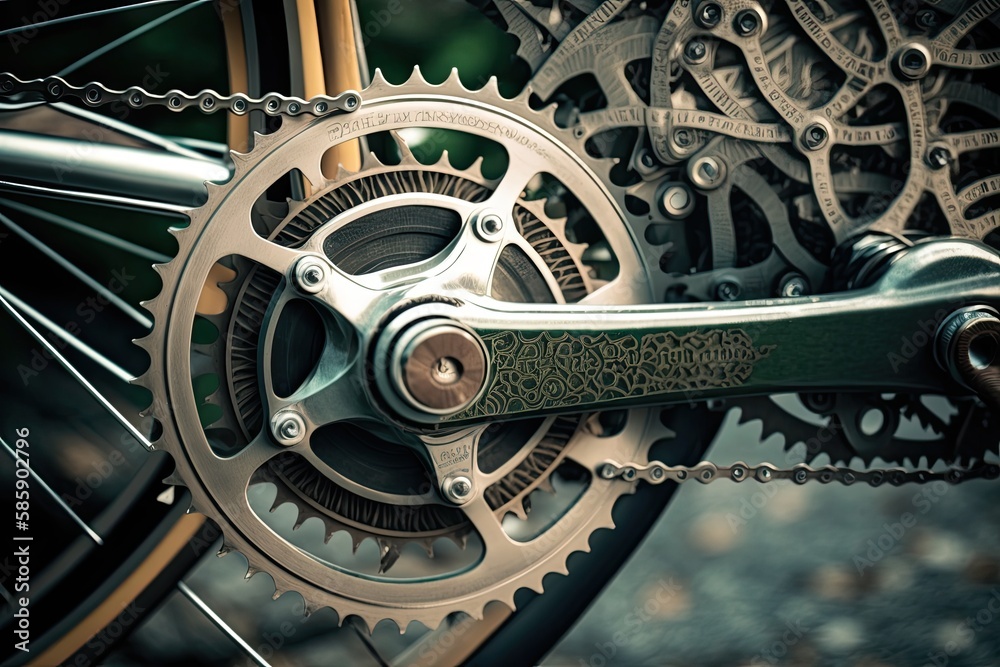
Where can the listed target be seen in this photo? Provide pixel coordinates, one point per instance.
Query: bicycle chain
(54, 89)
(657, 472)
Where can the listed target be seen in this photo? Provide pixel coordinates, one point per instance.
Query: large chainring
(754, 137)
(369, 492)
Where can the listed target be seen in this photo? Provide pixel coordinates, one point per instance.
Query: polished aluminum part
(288, 427)
(439, 366)
(458, 489)
(156, 175)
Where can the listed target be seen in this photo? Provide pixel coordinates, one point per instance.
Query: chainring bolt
(677, 201)
(696, 51)
(489, 227)
(457, 489)
(728, 290)
(288, 428)
(747, 23)
(707, 172)
(708, 15)
(310, 275)
(938, 157)
(793, 285)
(913, 62)
(814, 137)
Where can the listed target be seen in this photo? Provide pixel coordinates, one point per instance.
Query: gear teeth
(368, 161)
(378, 80)
(549, 112)
(477, 167)
(224, 550)
(242, 160)
(455, 80)
(491, 87)
(402, 146)
(428, 545)
(389, 554)
(362, 623)
(356, 541)
(519, 510)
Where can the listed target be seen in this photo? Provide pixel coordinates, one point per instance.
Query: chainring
(675, 86)
(357, 479)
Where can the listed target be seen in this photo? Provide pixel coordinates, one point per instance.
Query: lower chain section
(657, 472)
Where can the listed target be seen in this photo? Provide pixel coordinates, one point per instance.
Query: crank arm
(480, 360)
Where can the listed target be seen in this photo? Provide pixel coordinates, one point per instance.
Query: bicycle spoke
(85, 15)
(95, 198)
(84, 230)
(369, 645)
(217, 621)
(138, 32)
(68, 338)
(77, 375)
(79, 274)
(55, 496)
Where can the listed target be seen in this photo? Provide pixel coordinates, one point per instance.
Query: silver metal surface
(144, 173)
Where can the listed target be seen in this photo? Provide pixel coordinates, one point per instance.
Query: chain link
(657, 472)
(55, 89)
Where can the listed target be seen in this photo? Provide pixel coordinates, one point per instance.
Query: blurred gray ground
(810, 575)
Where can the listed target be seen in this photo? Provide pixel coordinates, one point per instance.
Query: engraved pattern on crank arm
(579, 359)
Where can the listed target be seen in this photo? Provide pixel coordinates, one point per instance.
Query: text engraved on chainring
(548, 370)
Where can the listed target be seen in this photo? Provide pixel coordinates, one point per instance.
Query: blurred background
(731, 574)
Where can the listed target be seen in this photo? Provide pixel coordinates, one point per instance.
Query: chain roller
(56, 89)
(657, 472)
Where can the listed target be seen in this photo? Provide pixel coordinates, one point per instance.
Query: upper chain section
(56, 89)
